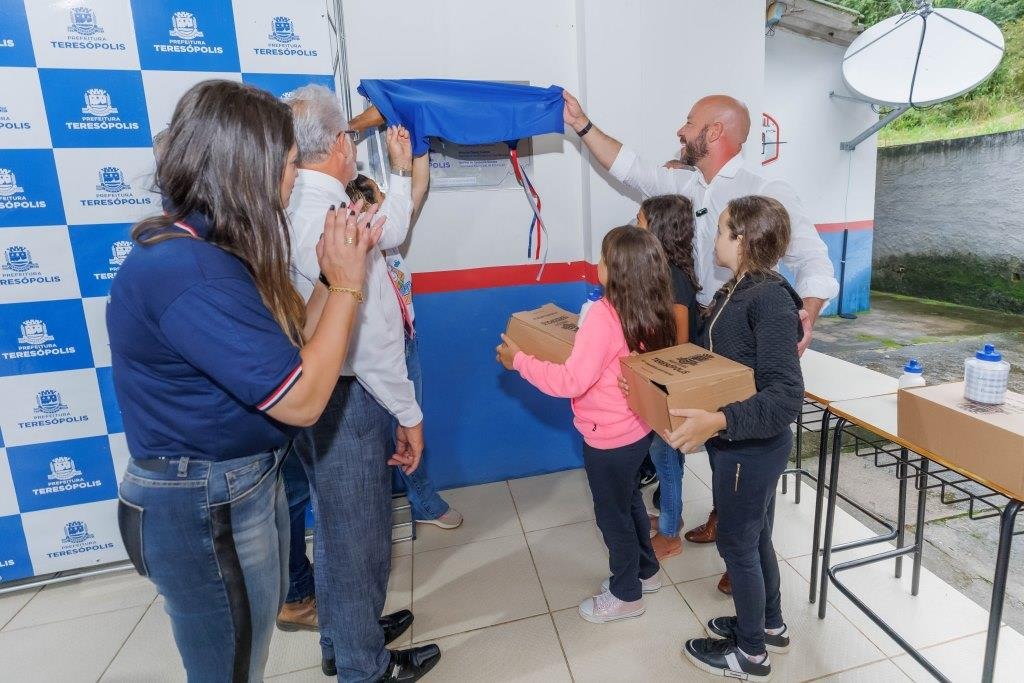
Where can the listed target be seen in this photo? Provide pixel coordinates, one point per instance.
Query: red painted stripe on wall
(554, 273)
(502, 276)
(852, 225)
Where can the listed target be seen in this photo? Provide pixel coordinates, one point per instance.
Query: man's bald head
(730, 112)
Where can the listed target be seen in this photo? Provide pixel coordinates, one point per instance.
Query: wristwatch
(401, 172)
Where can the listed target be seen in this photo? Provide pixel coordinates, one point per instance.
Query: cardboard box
(547, 332)
(685, 376)
(987, 441)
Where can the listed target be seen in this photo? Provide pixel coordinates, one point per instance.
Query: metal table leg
(995, 613)
(830, 517)
(799, 454)
(901, 513)
(922, 498)
(785, 475)
(819, 496)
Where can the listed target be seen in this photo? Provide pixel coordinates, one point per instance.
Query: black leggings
(745, 476)
(614, 477)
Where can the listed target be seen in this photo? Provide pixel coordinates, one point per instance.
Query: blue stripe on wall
(481, 422)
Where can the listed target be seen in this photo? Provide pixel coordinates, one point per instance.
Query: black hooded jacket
(757, 323)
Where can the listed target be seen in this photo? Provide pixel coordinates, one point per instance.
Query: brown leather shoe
(705, 533)
(299, 616)
(725, 584)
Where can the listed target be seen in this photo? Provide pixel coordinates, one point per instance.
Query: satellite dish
(923, 57)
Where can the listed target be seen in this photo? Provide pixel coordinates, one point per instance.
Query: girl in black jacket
(753, 320)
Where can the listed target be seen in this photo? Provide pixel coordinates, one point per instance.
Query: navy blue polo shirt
(197, 357)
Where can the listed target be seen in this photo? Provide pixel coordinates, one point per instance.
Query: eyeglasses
(353, 135)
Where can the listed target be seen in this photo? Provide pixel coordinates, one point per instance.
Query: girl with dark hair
(670, 218)
(635, 315)
(215, 364)
(754, 320)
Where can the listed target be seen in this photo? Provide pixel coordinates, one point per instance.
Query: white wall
(526, 40)
(637, 65)
(799, 74)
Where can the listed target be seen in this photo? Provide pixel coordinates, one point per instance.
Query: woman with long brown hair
(215, 364)
(635, 315)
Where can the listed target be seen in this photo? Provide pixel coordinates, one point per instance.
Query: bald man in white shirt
(711, 142)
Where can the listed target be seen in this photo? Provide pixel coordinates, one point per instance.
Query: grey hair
(318, 119)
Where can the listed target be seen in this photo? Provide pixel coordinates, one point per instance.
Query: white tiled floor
(499, 596)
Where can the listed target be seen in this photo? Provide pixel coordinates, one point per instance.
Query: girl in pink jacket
(634, 316)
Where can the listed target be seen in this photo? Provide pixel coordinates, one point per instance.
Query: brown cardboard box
(987, 441)
(685, 376)
(547, 332)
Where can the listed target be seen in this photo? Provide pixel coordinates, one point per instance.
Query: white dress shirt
(807, 255)
(376, 352)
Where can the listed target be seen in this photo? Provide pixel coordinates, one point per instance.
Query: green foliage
(996, 105)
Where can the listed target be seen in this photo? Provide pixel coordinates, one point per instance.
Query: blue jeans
(669, 464)
(345, 457)
(745, 476)
(301, 584)
(423, 497)
(213, 537)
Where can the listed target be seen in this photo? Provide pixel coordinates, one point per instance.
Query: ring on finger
(350, 240)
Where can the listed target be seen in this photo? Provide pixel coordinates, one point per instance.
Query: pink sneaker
(651, 585)
(605, 607)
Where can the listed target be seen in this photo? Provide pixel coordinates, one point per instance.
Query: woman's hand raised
(349, 235)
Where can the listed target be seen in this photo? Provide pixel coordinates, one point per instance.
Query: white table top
(875, 413)
(828, 379)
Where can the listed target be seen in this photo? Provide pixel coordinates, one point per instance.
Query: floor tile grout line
(852, 668)
(561, 646)
(480, 628)
(19, 610)
(843, 613)
(80, 616)
(463, 545)
(845, 616)
(125, 641)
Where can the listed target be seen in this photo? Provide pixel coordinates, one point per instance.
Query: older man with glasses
(346, 455)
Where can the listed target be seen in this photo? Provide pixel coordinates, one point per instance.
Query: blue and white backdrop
(84, 86)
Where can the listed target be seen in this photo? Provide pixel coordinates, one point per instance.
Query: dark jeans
(745, 476)
(213, 537)
(345, 459)
(614, 477)
(301, 584)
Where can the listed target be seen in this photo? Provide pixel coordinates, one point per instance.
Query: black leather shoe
(412, 664)
(394, 625)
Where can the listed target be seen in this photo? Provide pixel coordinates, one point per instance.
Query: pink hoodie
(590, 378)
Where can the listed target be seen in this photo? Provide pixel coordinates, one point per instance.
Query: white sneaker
(651, 585)
(449, 520)
(605, 607)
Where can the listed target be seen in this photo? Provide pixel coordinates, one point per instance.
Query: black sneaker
(725, 627)
(723, 658)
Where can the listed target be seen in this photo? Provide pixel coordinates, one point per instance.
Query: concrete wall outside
(948, 221)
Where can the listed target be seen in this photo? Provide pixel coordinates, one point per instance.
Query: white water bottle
(593, 295)
(913, 375)
(986, 377)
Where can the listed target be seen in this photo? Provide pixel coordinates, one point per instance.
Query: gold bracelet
(357, 294)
